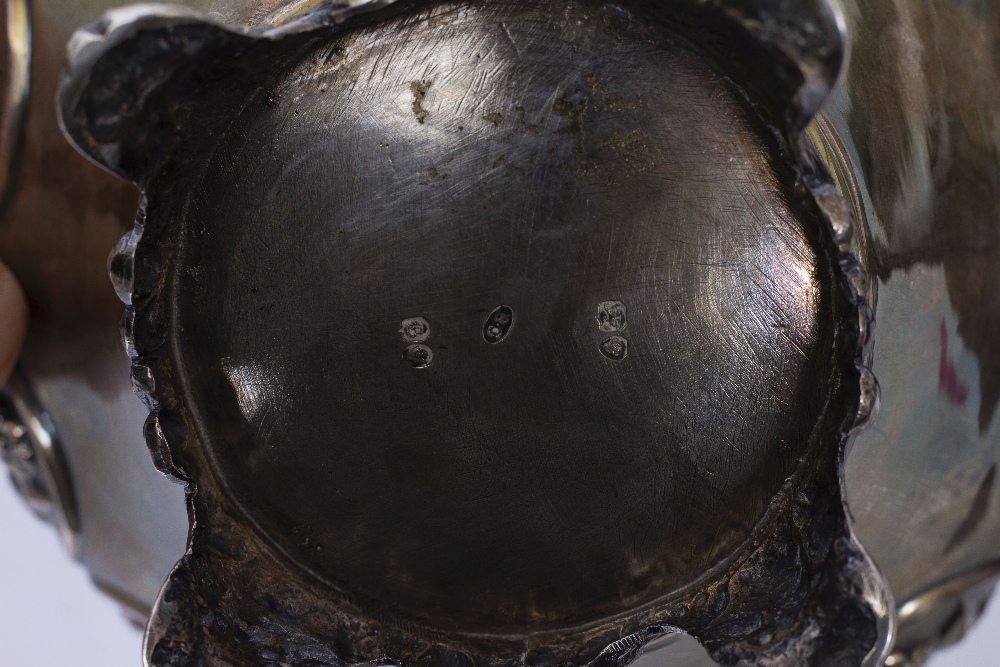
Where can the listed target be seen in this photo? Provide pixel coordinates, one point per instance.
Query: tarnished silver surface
(915, 155)
(449, 312)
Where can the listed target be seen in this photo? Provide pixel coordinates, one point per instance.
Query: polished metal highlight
(17, 72)
(917, 157)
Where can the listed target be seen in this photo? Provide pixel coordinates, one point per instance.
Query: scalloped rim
(118, 26)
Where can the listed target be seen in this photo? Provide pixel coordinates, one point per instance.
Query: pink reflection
(948, 381)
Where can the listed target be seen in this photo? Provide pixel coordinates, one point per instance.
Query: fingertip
(13, 321)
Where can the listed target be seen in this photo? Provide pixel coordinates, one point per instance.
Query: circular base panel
(500, 313)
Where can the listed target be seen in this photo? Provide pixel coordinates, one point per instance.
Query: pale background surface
(51, 616)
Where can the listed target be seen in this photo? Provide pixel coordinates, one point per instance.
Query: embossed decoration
(23, 466)
(498, 324)
(415, 329)
(418, 356)
(615, 348)
(310, 186)
(612, 316)
(35, 461)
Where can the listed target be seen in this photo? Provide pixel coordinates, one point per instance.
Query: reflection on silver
(18, 79)
(943, 614)
(916, 156)
(258, 392)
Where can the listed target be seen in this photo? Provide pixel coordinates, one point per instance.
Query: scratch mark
(506, 32)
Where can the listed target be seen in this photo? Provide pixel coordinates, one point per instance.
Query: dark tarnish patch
(976, 513)
(419, 90)
(572, 106)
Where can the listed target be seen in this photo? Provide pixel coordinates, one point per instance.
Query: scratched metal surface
(483, 486)
(935, 308)
(920, 483)
(537, 402)
(133, 521)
